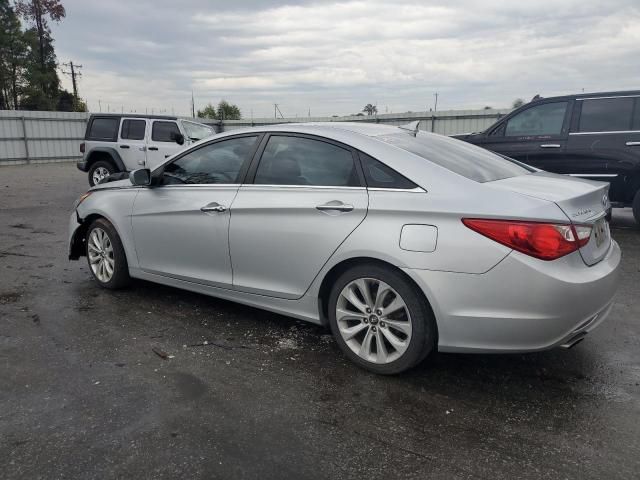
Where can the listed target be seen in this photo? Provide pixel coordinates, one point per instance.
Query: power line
(74, 73)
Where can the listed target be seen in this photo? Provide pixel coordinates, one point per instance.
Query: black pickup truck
(590, 135)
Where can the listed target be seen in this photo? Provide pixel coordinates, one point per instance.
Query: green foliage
(28, 76)
(224, 111)
(518, 102)
(208, 112)
(370, 109)
(13, 52)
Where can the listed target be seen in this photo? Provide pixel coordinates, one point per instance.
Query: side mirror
(141, 177)
(178, 138)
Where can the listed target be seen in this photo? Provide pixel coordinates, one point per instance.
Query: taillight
(82, 147)
(546, 241)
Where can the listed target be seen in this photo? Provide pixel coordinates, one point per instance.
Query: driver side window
(218, 162)
(545, 119)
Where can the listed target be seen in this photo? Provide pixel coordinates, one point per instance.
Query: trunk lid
(583, 201)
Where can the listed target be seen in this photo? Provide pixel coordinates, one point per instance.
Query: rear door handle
(550, 145)
(124, 146)
(336, 206)
(632, 144)
(153, 148)
(213, 207)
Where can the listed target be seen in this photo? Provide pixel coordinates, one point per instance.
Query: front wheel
(380, 320)
(106, 257)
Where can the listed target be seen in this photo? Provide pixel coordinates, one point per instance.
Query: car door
(162, 142)
(181, 225)
(307, 195)
(604, 143)
(536, 135)
(132, 144)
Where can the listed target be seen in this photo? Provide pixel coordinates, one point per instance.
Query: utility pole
(193, 106)
(74, 73)
(435, 107)
(277, 111)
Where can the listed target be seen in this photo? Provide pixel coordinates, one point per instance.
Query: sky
(332, 58)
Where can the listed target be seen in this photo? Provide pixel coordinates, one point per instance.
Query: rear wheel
(380, 320)
(106, 257)
(99, 171)
(636, 206)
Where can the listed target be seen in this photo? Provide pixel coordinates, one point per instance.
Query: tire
(105, 252)
(636, 207)
(99, 170)
(413, 324)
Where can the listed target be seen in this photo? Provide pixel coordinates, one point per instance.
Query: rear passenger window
(636, 116)
(378, 175)
(303, 161)
(133, 129)
(164, 131)
(105, 129)
(606, 115)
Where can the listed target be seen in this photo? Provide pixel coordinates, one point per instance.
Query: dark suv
(594, 136)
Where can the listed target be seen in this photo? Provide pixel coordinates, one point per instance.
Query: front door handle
(124, 146)
(550, 145)
(153, 148)
(213, 207)
(336, 206)
(632, 144)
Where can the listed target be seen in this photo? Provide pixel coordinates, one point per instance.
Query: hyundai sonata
(402, 241)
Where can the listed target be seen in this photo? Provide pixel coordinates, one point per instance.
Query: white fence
(39, 137)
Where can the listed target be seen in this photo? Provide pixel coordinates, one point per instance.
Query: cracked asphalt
(86, 393)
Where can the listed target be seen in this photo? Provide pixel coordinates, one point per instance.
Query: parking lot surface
(243, 393)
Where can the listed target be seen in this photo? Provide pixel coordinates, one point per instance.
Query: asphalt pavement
(154, 382)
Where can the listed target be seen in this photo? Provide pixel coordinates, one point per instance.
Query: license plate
(601, 232)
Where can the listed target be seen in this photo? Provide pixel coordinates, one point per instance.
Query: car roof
(622, 93)
(134, 115)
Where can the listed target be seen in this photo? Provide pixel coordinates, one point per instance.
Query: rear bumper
(82, 165)
(522, 304)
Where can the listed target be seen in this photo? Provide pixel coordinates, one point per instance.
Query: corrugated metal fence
(39, 137)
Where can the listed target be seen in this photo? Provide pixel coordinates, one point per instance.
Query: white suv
(121, 143)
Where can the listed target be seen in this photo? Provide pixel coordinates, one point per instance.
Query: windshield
(197, 131)
(460, 157)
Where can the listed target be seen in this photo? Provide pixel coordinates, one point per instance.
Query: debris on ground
(161, 353)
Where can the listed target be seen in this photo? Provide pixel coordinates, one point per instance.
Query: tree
(518, 102)
(228, 111)
(13, 51)
(487, 107)
(43, 88)
(224, 111)
(370, 109)
(208, 112)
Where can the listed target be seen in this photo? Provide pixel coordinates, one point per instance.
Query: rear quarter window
(105, 129)
(460, 157)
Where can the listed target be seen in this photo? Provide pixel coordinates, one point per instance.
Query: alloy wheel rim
(373, 320)
(100, 173)
(100, 253)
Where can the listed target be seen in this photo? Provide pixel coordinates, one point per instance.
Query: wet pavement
(245, 393)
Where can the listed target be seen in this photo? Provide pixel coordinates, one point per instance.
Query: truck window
(105, 129)
(606, 114)
(539, 120)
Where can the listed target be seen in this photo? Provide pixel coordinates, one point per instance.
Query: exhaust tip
(573, 341)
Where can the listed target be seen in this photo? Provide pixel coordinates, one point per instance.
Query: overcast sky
(334, 57)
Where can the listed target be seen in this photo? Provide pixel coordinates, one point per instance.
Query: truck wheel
(636, 207)
(99, 171)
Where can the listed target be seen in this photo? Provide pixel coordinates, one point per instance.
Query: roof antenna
(411, 127)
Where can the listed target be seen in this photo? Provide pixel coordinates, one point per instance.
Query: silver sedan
(402, 241)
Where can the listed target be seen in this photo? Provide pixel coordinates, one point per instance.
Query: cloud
(334, 57)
